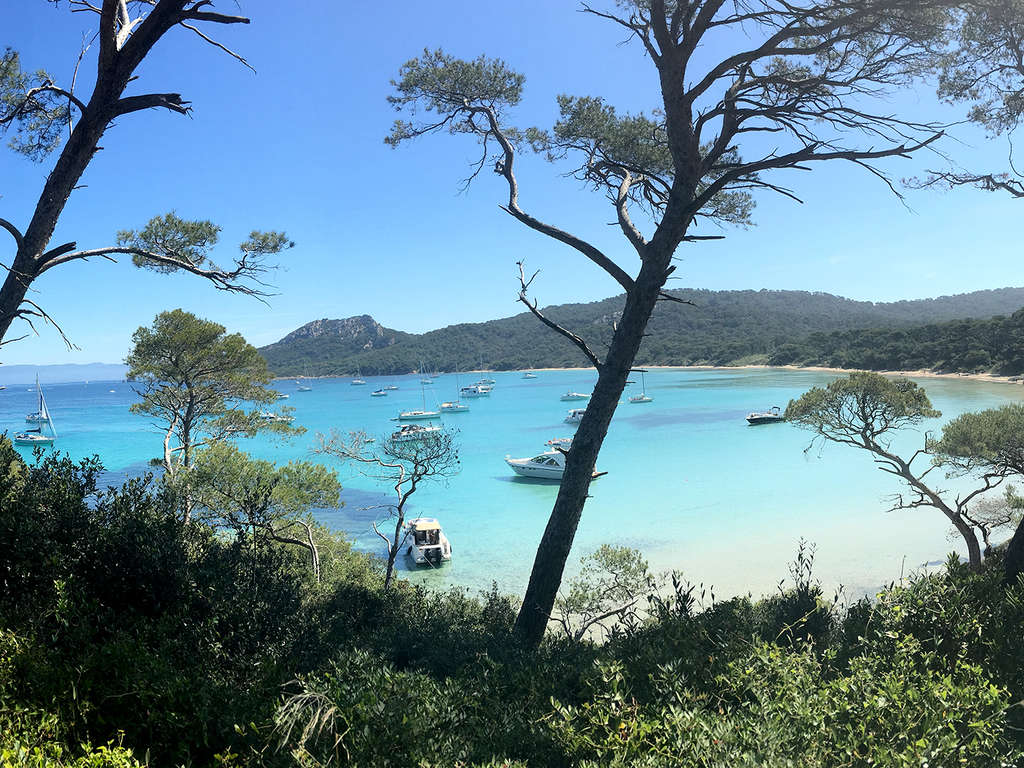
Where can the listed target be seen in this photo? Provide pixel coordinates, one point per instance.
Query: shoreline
(918, 374)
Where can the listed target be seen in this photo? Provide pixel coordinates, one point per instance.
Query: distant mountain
(720, 328)
(56, 374)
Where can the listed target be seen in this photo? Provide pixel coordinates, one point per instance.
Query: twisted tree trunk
(553, 551)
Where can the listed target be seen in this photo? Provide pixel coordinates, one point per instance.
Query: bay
(689, 483)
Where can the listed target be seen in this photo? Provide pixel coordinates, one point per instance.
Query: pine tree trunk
(1014, 563)
(553, 552)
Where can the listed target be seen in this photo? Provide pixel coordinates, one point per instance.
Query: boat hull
(419, 415)
(763, 419)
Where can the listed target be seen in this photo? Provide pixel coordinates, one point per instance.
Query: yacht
(427, 543)
(418, 415)
(391, 387)
(41, 415)
(529, 375)
(454, 407)
(487, 381)
(33, 437)
(570, 395)
(642, 397)
(421, 414)
(771, 416)
(545, 466)
(549, 465)
(408, 432)
(575, 415)
(378, 393)
(473, 390)
(280, 395)
(300, 387)
(358, 382)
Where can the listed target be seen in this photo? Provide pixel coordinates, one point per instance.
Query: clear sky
(298, 147)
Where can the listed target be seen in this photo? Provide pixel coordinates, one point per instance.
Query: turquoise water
(688, 483)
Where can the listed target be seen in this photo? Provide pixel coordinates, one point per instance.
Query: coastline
(918, 374)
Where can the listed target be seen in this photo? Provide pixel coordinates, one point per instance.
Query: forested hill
(994, 345)
(721, 327)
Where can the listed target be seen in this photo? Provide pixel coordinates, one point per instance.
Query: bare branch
(171, 101)
(524, 286)
(15, 232)
(215, 44)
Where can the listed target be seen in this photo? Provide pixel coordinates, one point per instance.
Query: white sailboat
(642, 397)
(43, 418)
(304, 385)
(420, 415)
(455, 406)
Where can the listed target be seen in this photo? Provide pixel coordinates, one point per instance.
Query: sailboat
(455, 406)
(41, 416)
(426, 376)
(358, 380)
(304, 386)
(420, 415)
(642, 397)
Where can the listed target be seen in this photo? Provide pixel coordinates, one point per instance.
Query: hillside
(994, 345)
(721, 327)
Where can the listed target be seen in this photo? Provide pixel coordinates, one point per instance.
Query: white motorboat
(391, 387)
(771, 416)
(559, 442)
(300, 387)
(378, 393)
(575, 415)
(642, 397)
(545, 466)
(409, 432)
(486, 381)
(570, 395)
(427, 543)
(529, 375)
(280, 395)
(358, 382)
(454, 407)
(473, 390)
(549, 465)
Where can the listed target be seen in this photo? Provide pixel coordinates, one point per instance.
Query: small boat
(358, 382)
(426, 381)
(473, 390)
(409, 432)
(427, 543)
(280, 395)
(771, 416)
(391, 387)
(570, 395)
(642, 397)
(275, 418)
(303, 386)
(454, 407)
(529, 375)
(575, 415)
(559, 442)
(487, 381)
(549, 465)
(378, 393)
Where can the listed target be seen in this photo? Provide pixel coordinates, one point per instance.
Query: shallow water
(688, 483)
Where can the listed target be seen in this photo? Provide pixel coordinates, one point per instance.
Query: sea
(689, 483)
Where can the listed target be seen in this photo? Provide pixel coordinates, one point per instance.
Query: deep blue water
(688, 483)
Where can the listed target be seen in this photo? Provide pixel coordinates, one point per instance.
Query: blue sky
(298, 147)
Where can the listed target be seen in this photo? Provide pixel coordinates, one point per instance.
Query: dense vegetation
(722, 327)
(128, 636)
(995, 344)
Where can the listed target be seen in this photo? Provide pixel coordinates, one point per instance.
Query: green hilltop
(715, 328)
